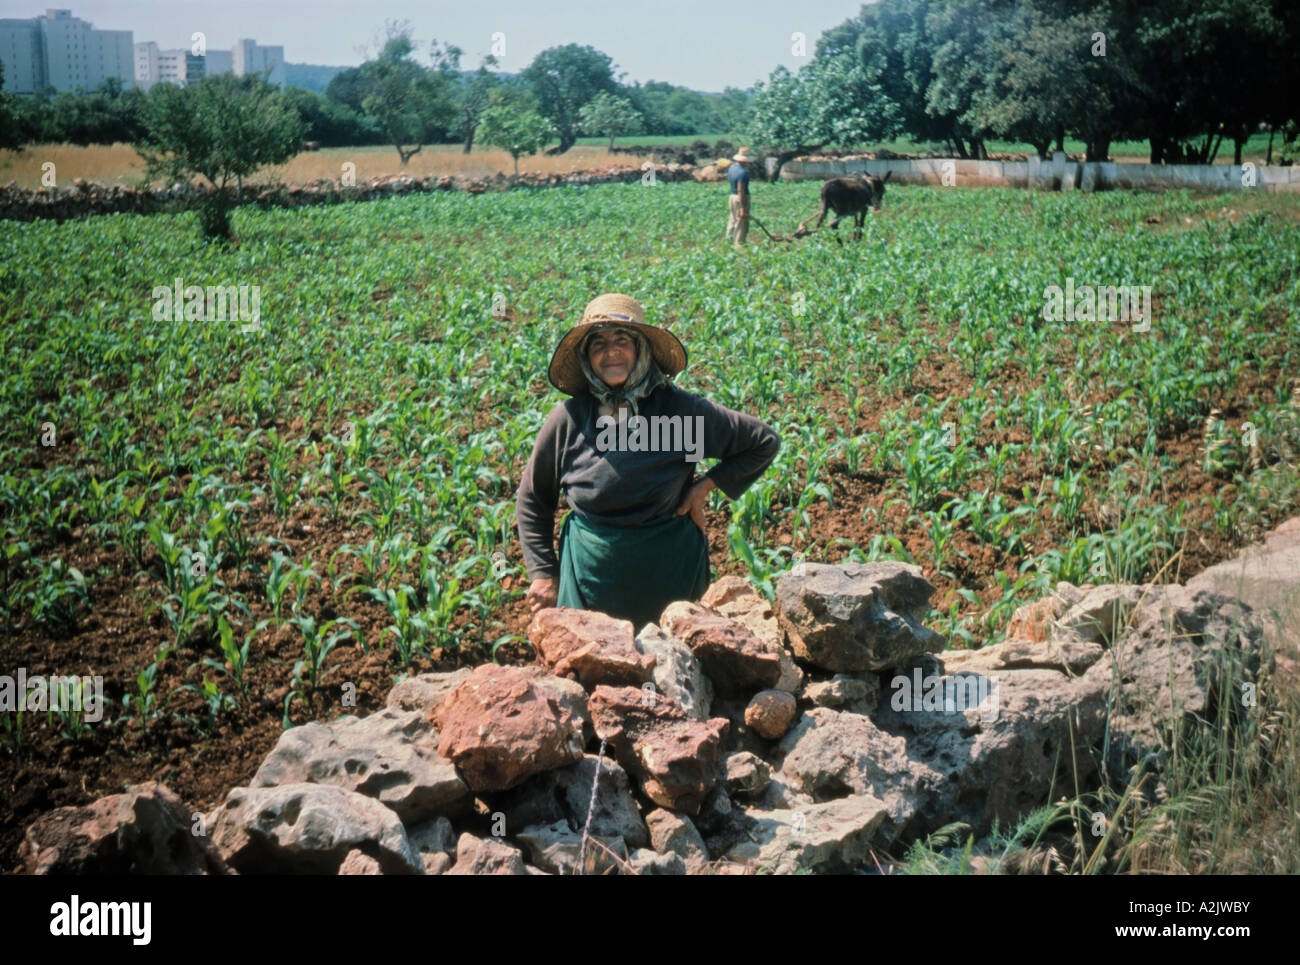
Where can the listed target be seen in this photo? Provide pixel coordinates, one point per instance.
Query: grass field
(345, 472)
(120, 164)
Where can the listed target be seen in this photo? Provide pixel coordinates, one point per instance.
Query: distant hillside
(311, 76)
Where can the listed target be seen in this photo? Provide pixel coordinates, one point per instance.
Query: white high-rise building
(111, 55)
(20, 52)
(180, 67)
(146, 64)
(64, 52)
(249, 58)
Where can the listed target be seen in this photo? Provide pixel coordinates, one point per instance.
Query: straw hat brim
(565, 371)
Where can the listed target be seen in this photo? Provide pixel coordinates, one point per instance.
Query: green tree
(223, 129)
(609, 115)
(832, 100)
(563, 79)
(410, 104)
(1209, 66)
(472, 92)
(512, 123)
(1053, 73)
(734, 110)
(331, 122)
(894, 35)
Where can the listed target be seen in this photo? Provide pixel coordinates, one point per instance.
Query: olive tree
(223, 129)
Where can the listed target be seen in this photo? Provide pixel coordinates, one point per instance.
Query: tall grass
(1225, 801)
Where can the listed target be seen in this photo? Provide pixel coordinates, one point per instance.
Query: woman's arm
(744, 445)
(538, 497)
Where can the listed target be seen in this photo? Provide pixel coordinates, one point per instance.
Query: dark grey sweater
(605, 481)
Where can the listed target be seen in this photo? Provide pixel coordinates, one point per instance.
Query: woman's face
(612, 356)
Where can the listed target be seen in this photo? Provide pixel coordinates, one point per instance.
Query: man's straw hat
(742, 155)
(604, 311)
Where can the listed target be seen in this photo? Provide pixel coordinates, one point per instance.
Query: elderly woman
(623, 453)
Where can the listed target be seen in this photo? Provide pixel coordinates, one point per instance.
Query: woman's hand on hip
(694, 501)
(542, 593)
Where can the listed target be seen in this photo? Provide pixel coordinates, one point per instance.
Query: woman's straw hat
(611, 309)
(742, 155)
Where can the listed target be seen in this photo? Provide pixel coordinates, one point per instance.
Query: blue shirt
(736, 176)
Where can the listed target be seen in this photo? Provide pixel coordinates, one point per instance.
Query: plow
(803, 231)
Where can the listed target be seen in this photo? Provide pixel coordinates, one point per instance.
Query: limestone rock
(486, 856)
(592, 647)
(735, 660)
(145, 830)
(502, 725)
(675, 833)
(828, 837)
(425, 691)
(856, 616)
(308, 829)
(359, 863)
(647, 862)
(747, 774)
(557, 848)
(674, 757)
(677, 674)
(391, 756)
(736, 599)
(853, 692)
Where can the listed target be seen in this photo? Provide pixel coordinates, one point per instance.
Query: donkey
(852, 196)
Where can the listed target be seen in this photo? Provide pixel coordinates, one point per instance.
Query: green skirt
(632, 572)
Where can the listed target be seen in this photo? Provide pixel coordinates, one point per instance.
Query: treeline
(1185, 75)
(1188, 76)
(395, 99)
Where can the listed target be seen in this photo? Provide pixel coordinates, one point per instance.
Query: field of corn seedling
(246, 526)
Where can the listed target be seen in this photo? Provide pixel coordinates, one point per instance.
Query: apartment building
(64, 52)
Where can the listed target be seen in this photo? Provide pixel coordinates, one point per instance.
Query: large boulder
(503, 724)
(591, 647)
(856, 616)
(674, 757)
(677, 674)
(391, 756)
(832, 754)
(1173, 658)
(145, 830)
(735, 660)
(1266, 578)
(998, 740)
(308, 829)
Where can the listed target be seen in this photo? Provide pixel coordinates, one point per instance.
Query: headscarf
(645, 377)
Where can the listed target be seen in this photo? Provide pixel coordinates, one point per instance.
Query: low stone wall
(85, 198)
(1057, 174)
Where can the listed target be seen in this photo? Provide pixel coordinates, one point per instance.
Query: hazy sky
(703, 45)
